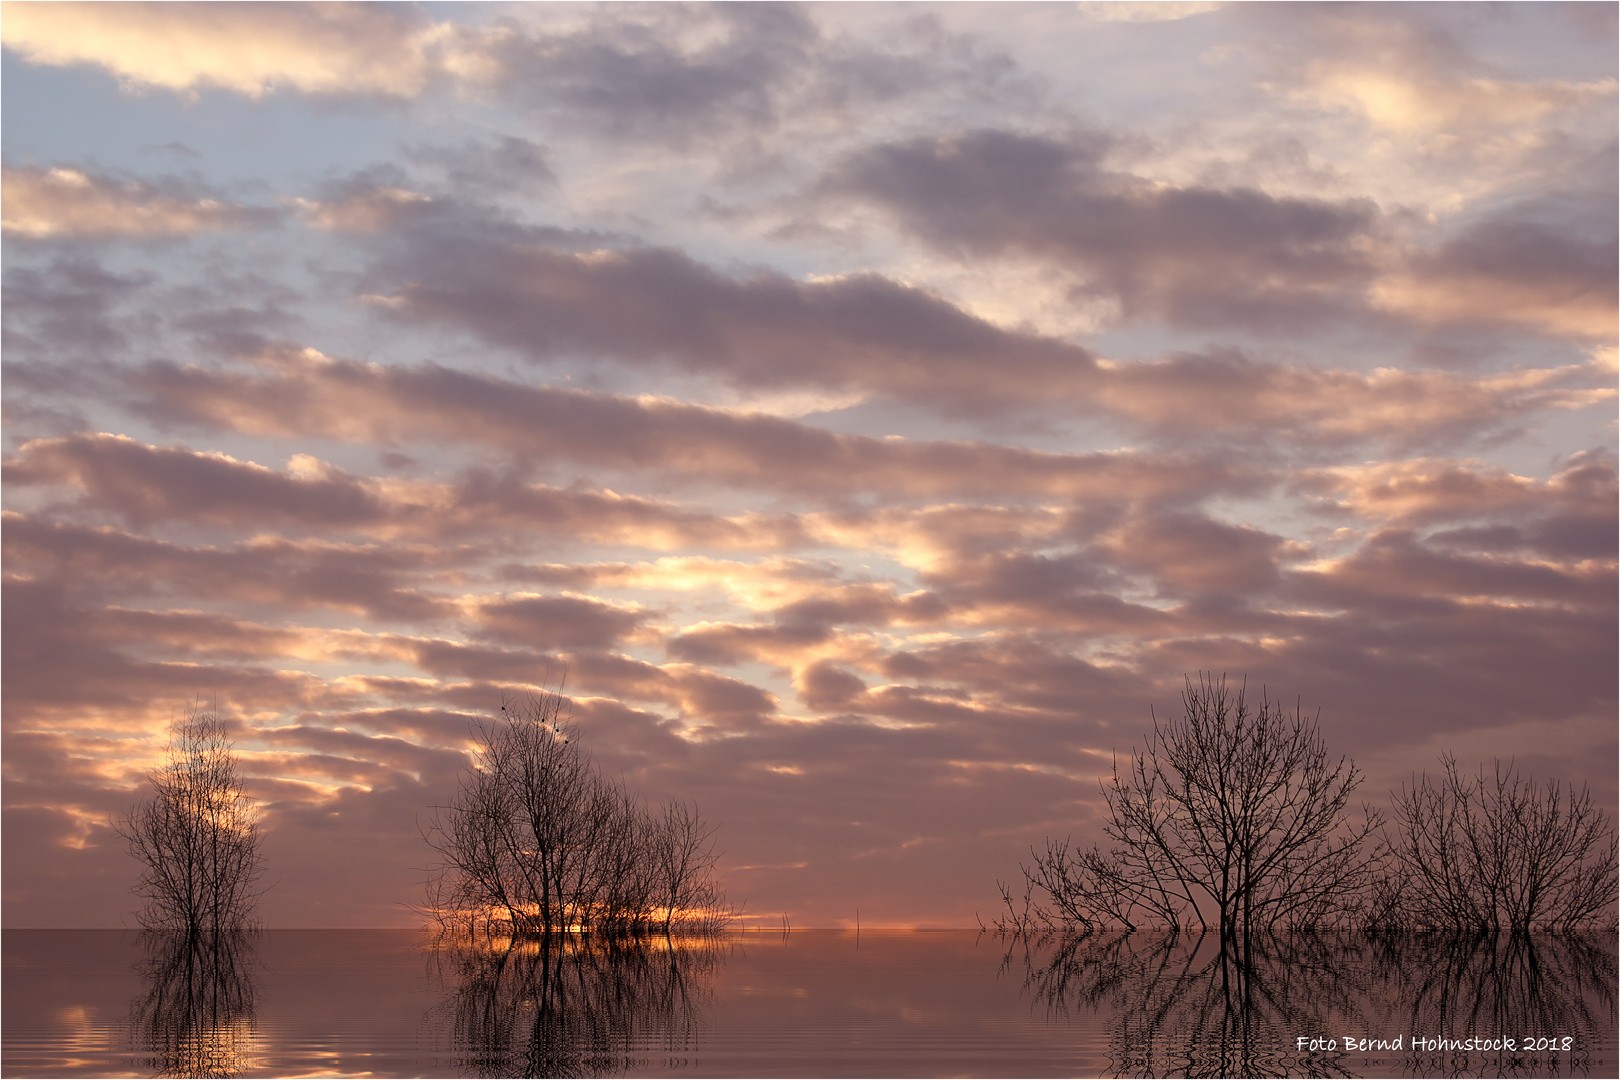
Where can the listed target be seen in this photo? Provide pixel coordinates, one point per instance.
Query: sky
(868, 415)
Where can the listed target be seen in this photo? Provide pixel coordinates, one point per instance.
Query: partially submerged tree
(683, 863)
(1229, 818)
(197, 836)
(1495, 852)
(538, 841)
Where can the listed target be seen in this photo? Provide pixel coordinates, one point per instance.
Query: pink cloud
(45, 204)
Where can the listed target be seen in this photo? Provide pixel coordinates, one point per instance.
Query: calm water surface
(813, 1003)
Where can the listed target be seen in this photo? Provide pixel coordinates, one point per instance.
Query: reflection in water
(1519, 986)
(1182, 1005)
(576, 1006)
(353, 1003)
(197, 1016)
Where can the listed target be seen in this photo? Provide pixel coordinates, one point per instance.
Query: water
(812, 1003)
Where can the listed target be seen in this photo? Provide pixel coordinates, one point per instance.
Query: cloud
(707, 704)
(482, 499)
(1511, 270)
(44, 204)
(869, 338)
(368, 210)
(552, 622)
(1399, 408)
(758, 84)
(70, 677)
(1227, 257)
(1394, 564)
(705, 359)
(861, 333)
(1187, 551)
(1195, 256)
(1412, 78)
(665, 74)
(872, 337)
(675, 75)
(249, 49)
(394, 405)
(505, 164)
(824, 686)
(1419, 106)
(374, 580)
(1563, 521)
(1428, 491)
(1152, 11)
(72, 305)
(145, 485)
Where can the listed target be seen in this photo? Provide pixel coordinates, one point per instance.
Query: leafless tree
(1494, 853)
(197, 836)
(684, 859)
(538, 841)
(1229, 818)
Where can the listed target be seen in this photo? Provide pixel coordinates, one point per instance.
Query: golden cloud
(249, 48)
(46, 203)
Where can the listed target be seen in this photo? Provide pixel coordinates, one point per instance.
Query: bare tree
(1496, 852)
(197, 836)
(538, 841)
(683, 862)
(1228, 818)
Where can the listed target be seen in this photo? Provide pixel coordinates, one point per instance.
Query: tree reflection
(197, 1016)
(1517, 986)
(574, 1005)
(1183, 1005)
